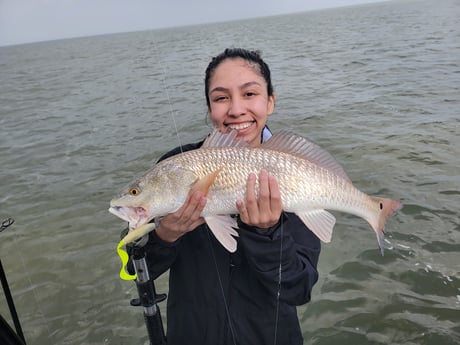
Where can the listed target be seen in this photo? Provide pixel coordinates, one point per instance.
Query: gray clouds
(24, 21)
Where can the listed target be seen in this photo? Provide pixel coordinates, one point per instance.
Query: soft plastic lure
(132, 236)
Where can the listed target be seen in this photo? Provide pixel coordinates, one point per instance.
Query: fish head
(153, 195)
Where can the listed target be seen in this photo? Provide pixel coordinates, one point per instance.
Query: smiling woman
(80, 117)
(271, 270)
(239, 93)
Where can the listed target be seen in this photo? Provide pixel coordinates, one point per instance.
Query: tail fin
(387, 208)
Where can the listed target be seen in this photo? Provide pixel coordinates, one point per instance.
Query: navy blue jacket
(219, 298)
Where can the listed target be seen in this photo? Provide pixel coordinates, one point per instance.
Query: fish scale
(310, 180)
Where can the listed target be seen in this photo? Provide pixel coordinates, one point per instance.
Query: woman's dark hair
(234, 53)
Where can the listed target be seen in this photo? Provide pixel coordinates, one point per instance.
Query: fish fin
(218, 139)
(387, 208)
(203, 184)
(223, 229)
(320, 222)
(288, 142)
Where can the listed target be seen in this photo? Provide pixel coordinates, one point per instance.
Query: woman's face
(239, 99)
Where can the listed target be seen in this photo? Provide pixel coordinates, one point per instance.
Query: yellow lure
(132, 236)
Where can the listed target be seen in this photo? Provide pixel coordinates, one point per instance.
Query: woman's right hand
(187, 218)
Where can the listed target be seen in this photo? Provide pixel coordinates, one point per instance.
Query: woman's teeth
(240, 126)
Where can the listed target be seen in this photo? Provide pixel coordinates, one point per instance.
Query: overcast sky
(23, 21)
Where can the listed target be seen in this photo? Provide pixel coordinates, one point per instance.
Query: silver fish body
(310, 180)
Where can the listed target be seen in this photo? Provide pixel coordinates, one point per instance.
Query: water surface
(376, 85)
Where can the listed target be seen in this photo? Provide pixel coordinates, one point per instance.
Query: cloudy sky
(23, 21)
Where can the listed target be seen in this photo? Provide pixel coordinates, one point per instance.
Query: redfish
(311, 181)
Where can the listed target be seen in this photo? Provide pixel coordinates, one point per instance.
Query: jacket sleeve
(159, 254)
(290, 246)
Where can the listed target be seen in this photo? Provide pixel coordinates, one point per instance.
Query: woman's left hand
(265, 211)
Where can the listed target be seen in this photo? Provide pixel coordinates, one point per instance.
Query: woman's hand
(265, 211)
(173, 226)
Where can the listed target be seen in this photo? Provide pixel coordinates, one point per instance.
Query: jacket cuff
(269, 232)
(154, 238)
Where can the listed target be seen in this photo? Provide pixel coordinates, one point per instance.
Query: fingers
(251, 197)
(185, 219)
(265, 209)
(190, 212)
(276, 205)
(264, 194)
(243, 211)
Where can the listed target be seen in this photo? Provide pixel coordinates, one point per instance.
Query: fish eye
(134, 191)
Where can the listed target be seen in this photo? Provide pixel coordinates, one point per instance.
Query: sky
(25, 21)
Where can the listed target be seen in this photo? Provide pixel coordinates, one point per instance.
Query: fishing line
(34, 294)
(6, 289)
(172, 114)
(227, 311)
(280, 270)
(165, 88)
(122, 254)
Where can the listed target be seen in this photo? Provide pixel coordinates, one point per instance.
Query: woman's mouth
(240, 126)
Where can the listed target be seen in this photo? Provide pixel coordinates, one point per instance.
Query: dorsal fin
(285, 141)
(218, 139)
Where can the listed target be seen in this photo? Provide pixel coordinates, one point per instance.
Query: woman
(250, 296)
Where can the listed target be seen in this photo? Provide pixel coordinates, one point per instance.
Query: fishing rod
(148, 297)
(7, 335)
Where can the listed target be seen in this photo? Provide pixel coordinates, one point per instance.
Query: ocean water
(376, 85)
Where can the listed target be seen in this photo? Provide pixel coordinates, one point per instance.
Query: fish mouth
(135, 216)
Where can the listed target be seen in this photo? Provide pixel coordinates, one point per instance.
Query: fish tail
(386, 208)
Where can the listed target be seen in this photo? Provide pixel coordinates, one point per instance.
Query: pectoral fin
(320, 222)
(223, 229)
(205, 182)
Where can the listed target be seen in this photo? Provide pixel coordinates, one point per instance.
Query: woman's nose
(237, 107)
